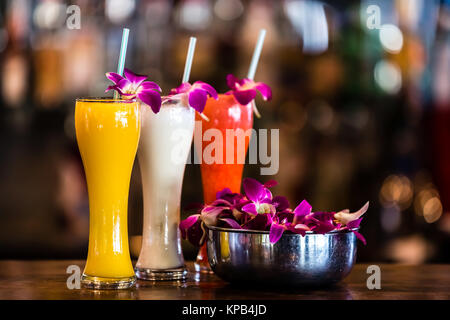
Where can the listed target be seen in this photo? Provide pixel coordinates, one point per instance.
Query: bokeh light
(49, 15)
(194, 15)
(391, 38)
(396, 190)
(388, 76)
(119, 10)
(432, 210)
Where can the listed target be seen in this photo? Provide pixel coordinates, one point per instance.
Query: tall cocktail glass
(164, 147)
(224, 113)
(107, 133)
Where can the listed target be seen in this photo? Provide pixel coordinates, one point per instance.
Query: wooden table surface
(47, 280)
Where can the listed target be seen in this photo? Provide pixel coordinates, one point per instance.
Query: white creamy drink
(164, 146)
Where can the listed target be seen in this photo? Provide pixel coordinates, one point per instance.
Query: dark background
(363, 113)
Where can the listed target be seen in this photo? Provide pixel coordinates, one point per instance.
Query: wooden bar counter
(47, 280)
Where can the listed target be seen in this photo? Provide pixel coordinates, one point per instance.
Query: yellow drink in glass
(107, 133)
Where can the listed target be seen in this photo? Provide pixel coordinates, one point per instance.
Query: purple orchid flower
(345, 217)
(236, 201)
(225, 211)
(351, 221)
(259, 195)
(301, 211)
(291, 221)
(133, 86)
(352, 225)
(193, 230)
(194, 95)
(261, 221)
(212, 213)
(277, 229)
(245, 90)
(262, 207)
(259, 210)
(321, 222)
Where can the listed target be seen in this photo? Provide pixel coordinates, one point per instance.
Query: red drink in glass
(224, 113)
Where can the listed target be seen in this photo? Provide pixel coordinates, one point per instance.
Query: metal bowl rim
(307, 233)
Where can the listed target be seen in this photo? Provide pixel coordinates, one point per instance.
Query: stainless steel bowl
(245, 256)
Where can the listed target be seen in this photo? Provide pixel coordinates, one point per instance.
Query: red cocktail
(224, 113)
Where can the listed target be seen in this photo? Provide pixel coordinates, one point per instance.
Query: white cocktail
(164, 146)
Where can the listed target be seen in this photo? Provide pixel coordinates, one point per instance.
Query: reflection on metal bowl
(246, 256)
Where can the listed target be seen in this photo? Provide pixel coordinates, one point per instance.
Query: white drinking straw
(122, 55)
(256, 54)
(188, 65)
(254, 64)
(189, 59)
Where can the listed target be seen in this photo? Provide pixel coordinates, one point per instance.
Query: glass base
(201, 263)
(161, 274)
(203, 267)
(90, 282)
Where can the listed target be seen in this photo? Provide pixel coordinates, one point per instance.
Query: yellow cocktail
(108, 135)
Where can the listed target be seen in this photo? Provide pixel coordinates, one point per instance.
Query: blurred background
(361, 95)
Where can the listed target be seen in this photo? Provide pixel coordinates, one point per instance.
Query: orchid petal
(298, 228)
(284, 215)
(270, 184)
(220, 194)
(134, 78)
(354, 224)
(360, 237)
(264, 89)
(149, 85)
(231, 81)
(303, 209)
(114, 77)
(124, 85)
(197, 99)
(267, 196)
(187, 223)
(196, 234)
(151, 98)
(281, 203)
(211, 214)
(259, 222)
(276, 231)
(206, 87)
(244, 97)
(231, 223)
(182, 88)
(322, 227)
(113, 87)
(219, 202)
(253, 189)
(250, 208)
(212, 209)
(344, 217)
